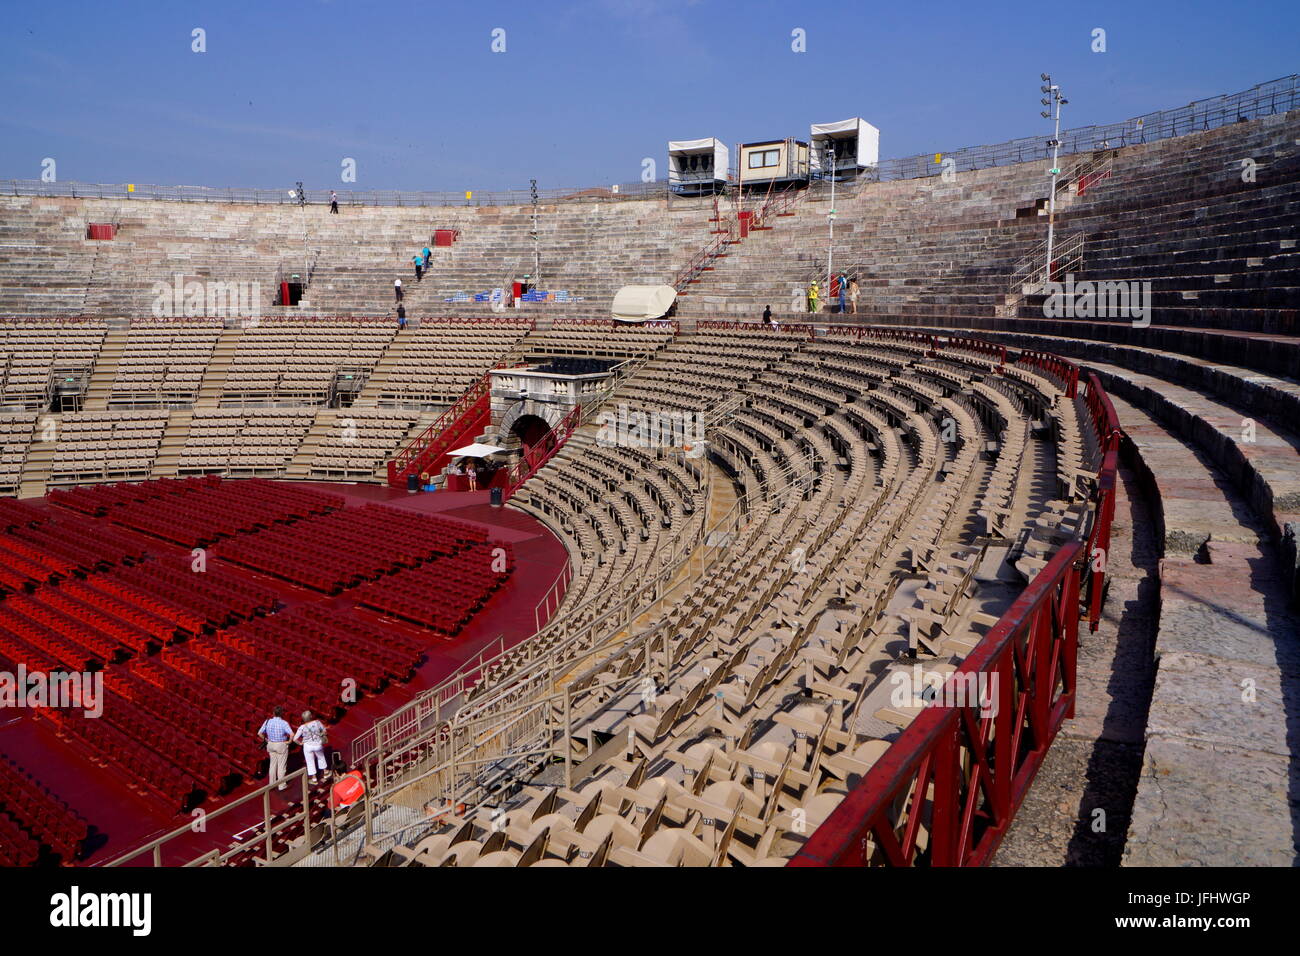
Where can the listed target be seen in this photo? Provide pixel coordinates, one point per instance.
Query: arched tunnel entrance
(529, 429)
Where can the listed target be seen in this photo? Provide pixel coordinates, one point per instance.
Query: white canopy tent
(697, 161)
(476, 450)
(868, 137)
(637, 303)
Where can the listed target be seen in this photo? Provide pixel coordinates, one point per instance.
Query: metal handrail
(1032, 270)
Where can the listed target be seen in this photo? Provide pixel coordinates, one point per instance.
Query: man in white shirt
(397, 289)
(311, 734)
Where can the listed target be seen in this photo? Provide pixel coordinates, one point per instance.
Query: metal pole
(1054, 92)
(1056, 171)
(537, 256)
(568, 737)
(830, 218)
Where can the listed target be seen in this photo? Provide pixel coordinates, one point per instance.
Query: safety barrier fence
(1106, 427)
(784, 328)
(554, 596)
(1065, 371)
(946, 790)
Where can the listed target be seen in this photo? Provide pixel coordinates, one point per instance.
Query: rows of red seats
(54, 549)
(342, 549)
(17, 848)
(17, 514)
(220, 509)
(31, 626)
(194, 600)
(85, 624)
(47, 818)
(196, 706)
(100, 499)
(143, 768)
(444, 594)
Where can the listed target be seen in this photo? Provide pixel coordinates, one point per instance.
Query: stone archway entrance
(525, 422)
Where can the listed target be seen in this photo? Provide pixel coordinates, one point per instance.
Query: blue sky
(584, 90)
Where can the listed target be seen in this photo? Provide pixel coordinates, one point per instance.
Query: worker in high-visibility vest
(813, 295)
(347, 790)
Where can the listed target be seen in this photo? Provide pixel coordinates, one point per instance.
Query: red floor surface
(124, 820)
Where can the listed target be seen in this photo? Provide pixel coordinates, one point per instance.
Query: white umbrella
(476, 450)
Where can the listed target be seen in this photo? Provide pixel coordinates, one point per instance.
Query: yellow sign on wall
(130, 187)
(469, 194)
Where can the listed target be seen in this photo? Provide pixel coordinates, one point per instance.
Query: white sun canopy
(701, 150)
(476, 450)
(637, 303)
(868, 139)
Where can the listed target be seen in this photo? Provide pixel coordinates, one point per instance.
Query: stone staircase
(172, 444)
(105, 373)
(214, 378)
(300, 465)
(40, 456)
(391, 359)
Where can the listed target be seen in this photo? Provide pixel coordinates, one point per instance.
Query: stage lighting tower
(1053, 99)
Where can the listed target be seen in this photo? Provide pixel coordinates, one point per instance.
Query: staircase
(471, 413)
(383, 370)
(167, 461)
(40, 456)
(214, 377)
(422, 424)
(532, 460)
(105, 373)
(300, 465)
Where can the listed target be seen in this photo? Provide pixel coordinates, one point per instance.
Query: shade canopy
(637, 303)
(476, 450)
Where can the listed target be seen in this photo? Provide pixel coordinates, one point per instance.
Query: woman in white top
(312, 735)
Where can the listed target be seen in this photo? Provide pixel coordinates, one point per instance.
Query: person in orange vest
(347, 790)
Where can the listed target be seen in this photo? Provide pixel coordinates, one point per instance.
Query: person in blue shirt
(419, 267)
(275, 732)
(426, 253)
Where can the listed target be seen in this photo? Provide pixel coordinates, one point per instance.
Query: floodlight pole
(306, 265)
(830, 217)
(537, 255)
(1058, 101)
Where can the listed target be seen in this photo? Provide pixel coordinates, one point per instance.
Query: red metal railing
(946, 790)
(774, 205)
(1066, 372)
(439, 436)
(1106, 425)
(980, 347)
(886, 334)
(539, 454)
(785, 328)
(702, 259)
